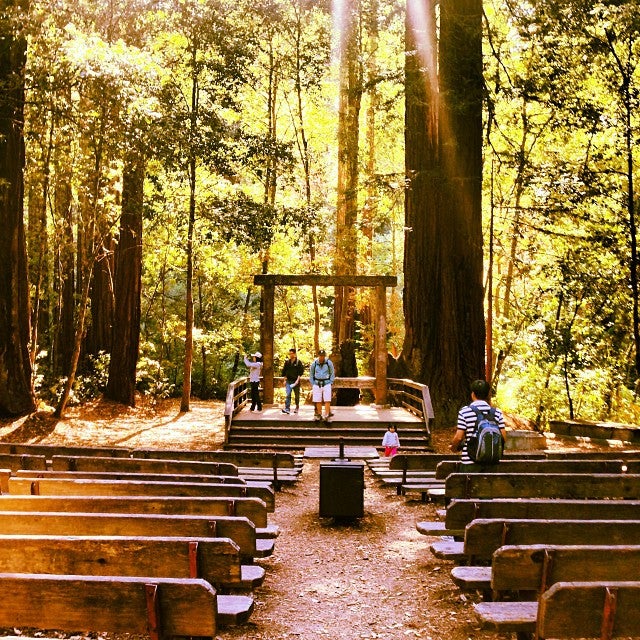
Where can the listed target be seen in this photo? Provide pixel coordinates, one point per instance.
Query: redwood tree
(125, 336)
(443, 295)
(16, 387)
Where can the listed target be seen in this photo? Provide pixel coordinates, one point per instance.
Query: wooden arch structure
(268, 283)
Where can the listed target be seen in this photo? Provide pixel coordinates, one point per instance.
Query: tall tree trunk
(185, 403)
(347, 197)
(102, 303)
(16, 386)
(445, 331)
(125, 341)
(348, 139)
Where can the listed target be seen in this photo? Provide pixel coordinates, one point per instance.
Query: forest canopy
(205, 133)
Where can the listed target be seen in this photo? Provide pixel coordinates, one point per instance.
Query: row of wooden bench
(553, 545)
(278, 468)
(155, 546)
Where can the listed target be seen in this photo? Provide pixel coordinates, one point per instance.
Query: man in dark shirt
(292, 370)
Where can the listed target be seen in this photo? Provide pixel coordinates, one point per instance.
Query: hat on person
(257, 354)
(322, 352)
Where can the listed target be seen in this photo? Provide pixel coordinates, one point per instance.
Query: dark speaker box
(342, 490)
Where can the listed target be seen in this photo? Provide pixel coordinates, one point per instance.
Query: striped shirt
(467, 422)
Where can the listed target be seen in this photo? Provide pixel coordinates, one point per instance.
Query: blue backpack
(485, 445)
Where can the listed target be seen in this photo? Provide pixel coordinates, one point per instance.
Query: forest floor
(375, 578)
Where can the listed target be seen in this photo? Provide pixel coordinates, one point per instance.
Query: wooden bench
(157, 607)
(279, 468)
(240, 530)
(602, 610)
(446, 468)
(253, 509)
(532, 569)
(49, 450)
(70, 487)
(129, 465)
(460, 513)
(216, 560)
(123, 475)
(404, 468)
(542, 485)
(484, 536)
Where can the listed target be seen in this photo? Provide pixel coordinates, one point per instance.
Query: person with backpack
(480, 433)
(321, 376)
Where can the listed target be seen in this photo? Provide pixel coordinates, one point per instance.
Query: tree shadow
(34, 427)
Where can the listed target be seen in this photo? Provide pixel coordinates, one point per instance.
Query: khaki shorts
(321, 394)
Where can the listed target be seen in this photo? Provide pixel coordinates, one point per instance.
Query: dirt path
(372, 579)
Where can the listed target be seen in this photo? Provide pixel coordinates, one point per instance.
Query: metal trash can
(342, 489)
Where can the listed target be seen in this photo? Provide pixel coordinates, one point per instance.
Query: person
(255, 369)
(480, 393)
(391, 441)
(321, 376)
(292, 372)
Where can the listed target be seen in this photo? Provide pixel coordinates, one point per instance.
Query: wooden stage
(358, 413)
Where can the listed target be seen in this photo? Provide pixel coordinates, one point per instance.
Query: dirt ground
(372, 579)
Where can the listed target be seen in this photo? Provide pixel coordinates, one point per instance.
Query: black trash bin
(342, 489)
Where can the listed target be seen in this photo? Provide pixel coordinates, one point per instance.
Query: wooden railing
(413, 396)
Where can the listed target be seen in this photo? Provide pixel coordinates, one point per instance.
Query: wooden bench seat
(611, 465)
(460, 512)
(216, 560)
(603, 610)
(534, 568)
(278, 468)
(484, 536)
(70, 487)
(49, 450)
(132, 465)
(543, 485)
(253, 509)
(122, 475)
(240, 530)
(157, 607)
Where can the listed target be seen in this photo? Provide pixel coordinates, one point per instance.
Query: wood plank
(259, 459)
(537, 567)
(240, 530)
(141, 465)
(448, 467)
(49, 450)
(253, 509)
(216, 560)
(507, 617)
(311, 279)
(542, 485)
(575, 609)
(123, 475)
(107, 604)
(484, 537)
(15, 461)
(60, 486)
(461, 512)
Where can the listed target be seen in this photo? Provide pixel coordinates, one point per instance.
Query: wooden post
(381, 345)
(268, 295)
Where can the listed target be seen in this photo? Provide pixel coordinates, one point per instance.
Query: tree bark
(125, 340)
(16, 386)
(443, 296)
(347, 197)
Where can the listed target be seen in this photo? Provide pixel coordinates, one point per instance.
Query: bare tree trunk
(188, 338)
(16, 387)
(125, 340)
(347, 198)
(443, 298)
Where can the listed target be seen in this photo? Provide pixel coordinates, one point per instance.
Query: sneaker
(317, 416)
(295, 410)
(286, 411)
(330, 415)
